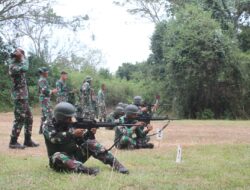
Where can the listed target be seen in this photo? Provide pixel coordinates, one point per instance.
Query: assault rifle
(90, 124)
(147, 118)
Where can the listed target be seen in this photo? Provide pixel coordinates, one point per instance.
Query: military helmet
(119, 110)
(88, 79)
(137, 100)
(131, 109)
(43, 70)
(64, 110)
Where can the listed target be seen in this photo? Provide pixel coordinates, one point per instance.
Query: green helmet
(64, 110)
(131, 109)
(119, 110)
(88, 79)
(137, 100)
(43, 70)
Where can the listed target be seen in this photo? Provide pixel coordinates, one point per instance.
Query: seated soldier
(140, 130)
(115, 115)
(68, 150)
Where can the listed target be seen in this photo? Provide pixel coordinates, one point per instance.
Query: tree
(202, 71)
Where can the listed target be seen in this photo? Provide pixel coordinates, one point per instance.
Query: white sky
(120, 36)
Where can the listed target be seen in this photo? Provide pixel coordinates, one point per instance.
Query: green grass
(203, 167)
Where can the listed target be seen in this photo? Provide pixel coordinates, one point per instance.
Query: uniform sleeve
(140, 132)
(57, 137)
(125, 130)
(44, 87)
(23, 67)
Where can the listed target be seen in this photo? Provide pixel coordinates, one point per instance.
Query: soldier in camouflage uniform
(44, 95)
(126, 134)
(115, 116)
(87, 94)
(101, 103)
(62, 89)
(68, 150)
(23, 116)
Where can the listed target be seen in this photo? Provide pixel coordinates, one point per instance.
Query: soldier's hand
(78, 132)
(139, 124)
(149, 127)
(144, 109)
(93, 130)
(54, 91)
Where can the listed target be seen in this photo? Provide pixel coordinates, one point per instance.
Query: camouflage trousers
(102, 114)
(23, 117)
(61, 161)
(130, 142)
(46, 110)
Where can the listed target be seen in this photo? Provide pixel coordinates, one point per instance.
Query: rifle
(147, 118)
(90, 124)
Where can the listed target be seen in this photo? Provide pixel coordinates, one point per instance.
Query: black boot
(119, 167)
(28, 142)
(14, 144)
(86, 170)
(147, 145)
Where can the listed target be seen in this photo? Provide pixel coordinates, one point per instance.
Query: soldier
(62, 90)
(101, 103)
(87, 98)
(127, 141)
(44, 95)
(68, 150)
(23, 116)
(115, 115)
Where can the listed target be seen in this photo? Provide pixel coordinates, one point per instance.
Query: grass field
(216, 155)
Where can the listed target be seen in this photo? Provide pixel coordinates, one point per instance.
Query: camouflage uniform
(101, 105)
(62, 91)
(87, 101)
(130, 139)
(66, 153)
(44, 99)
(19, 93)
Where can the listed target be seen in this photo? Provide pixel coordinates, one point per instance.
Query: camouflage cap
(43, 70)
(88, 78)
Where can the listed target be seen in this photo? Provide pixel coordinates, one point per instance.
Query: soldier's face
(18, 55)
(46, 74)
(64, 76)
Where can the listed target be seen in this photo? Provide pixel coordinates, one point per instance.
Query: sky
(120, 36)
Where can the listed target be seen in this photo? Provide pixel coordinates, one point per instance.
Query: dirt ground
(183, 132)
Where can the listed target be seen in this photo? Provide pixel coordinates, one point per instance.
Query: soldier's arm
(57, 137)
(24, 67)
(125, 130)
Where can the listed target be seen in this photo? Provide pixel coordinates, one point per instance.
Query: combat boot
(119, 167)
(14, 144)
(145, 145)
(86, 170)
(29, 142)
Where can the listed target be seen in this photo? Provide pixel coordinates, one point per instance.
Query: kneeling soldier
(68, 150)
(140, 130)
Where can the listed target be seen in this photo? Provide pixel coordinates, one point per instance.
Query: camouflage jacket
(112, 117)
(101, 97)
(43, 86)
(86, 94)
(59, 138)
(17, 72)
(62, 91)
(139, 131)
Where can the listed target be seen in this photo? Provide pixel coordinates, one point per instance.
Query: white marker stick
(178, 156)
(159, 135)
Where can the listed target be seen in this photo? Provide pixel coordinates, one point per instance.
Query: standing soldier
(87, 98)
(62, 90)
(44, 95)
(23, 116)
(101, 103)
